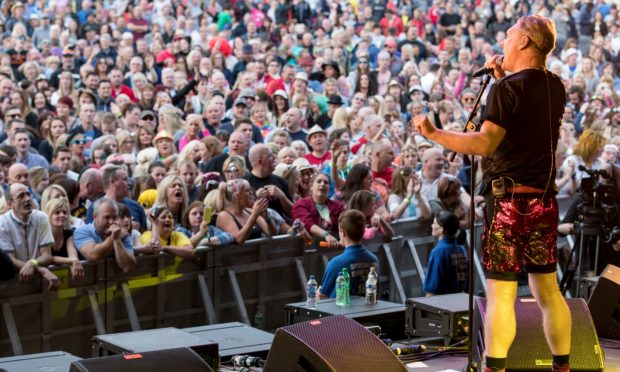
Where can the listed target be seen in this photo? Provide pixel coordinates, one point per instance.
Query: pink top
(185, 140)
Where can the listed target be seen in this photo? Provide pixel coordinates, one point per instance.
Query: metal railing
(249, 283)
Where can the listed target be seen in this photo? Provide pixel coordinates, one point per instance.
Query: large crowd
(139, 127)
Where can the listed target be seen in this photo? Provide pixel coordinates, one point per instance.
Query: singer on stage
(517, 140)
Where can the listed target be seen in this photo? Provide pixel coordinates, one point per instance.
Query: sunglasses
(363, 62)
(469, 99)
(79, 142)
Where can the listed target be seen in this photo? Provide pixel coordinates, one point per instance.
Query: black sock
(495, 364)
(560, 359)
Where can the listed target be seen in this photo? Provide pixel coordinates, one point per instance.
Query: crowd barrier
(250, 283)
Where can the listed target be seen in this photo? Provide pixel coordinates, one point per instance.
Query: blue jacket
(358, 260)
(447, 268)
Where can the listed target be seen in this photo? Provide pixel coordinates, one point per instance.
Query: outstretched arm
(473, 143)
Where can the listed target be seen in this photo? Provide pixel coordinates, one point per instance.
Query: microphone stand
(472, 127)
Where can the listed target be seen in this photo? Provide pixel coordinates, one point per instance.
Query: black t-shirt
(62, 252)
(272, 179)
(520, 104)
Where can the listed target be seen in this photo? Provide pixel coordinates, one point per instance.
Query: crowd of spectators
(125, 121)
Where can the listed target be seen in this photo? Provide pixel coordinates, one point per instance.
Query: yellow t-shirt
(177, 239)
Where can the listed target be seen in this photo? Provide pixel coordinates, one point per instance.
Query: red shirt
(385, 175)
(362, 141)
(125, 90)
(318, 162)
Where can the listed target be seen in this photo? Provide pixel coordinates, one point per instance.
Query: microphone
(487, 70)
(324, 244)
(407, 350)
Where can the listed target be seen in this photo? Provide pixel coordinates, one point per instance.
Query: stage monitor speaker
(179, 359)
(334, 343)
(604, 304)
(529, 350)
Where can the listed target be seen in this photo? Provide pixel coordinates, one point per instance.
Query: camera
(598, 211)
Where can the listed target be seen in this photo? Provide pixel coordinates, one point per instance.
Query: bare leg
(556, 315)
(500, 323)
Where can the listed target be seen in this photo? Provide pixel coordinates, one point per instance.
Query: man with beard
(104, 238)
(26, 236)
(116, 188)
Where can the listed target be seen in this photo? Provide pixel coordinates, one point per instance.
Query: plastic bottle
(341, 287)
(371, 287)
(347, 292)
(311, 292)
(298, 227)
(258, 317)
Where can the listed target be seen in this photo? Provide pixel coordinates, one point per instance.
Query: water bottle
(311, 292)
(371, 287)
(347, 292)
(341, 287)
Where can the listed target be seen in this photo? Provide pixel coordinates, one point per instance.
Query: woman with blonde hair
(194, 130)
(406, 199)
(341, 119)
(172, 193)
(147, 97)
(126, 147)
(287, 155)
(30, 70)
(586, 152)
(162, 237)
(234, 168)
(63, 249)
(170, 119)
(376, 104)
(144, 138)
(52, 192)
(191, 152)
(66, 88)
(213, 147)
(236, 198)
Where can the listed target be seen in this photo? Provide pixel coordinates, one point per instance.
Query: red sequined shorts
(521, 231)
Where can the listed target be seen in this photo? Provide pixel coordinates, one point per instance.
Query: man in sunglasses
(520, 130)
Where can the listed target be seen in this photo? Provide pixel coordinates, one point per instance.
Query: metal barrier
(249, 283)
(257, 279)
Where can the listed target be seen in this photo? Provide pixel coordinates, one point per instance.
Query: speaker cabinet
(179, 359)
(529, 351)
(334, 343)
(604, 304)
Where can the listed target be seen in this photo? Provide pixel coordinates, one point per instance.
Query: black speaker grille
(344, 344)
(530, 352)
(179, 359)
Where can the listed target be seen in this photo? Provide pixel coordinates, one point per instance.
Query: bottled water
(347, 292)
(341, 287)
(371, 287)
(311, 292)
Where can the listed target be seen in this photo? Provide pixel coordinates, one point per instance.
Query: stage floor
(456, 363)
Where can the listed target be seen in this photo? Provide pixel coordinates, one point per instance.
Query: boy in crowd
(356, 258)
